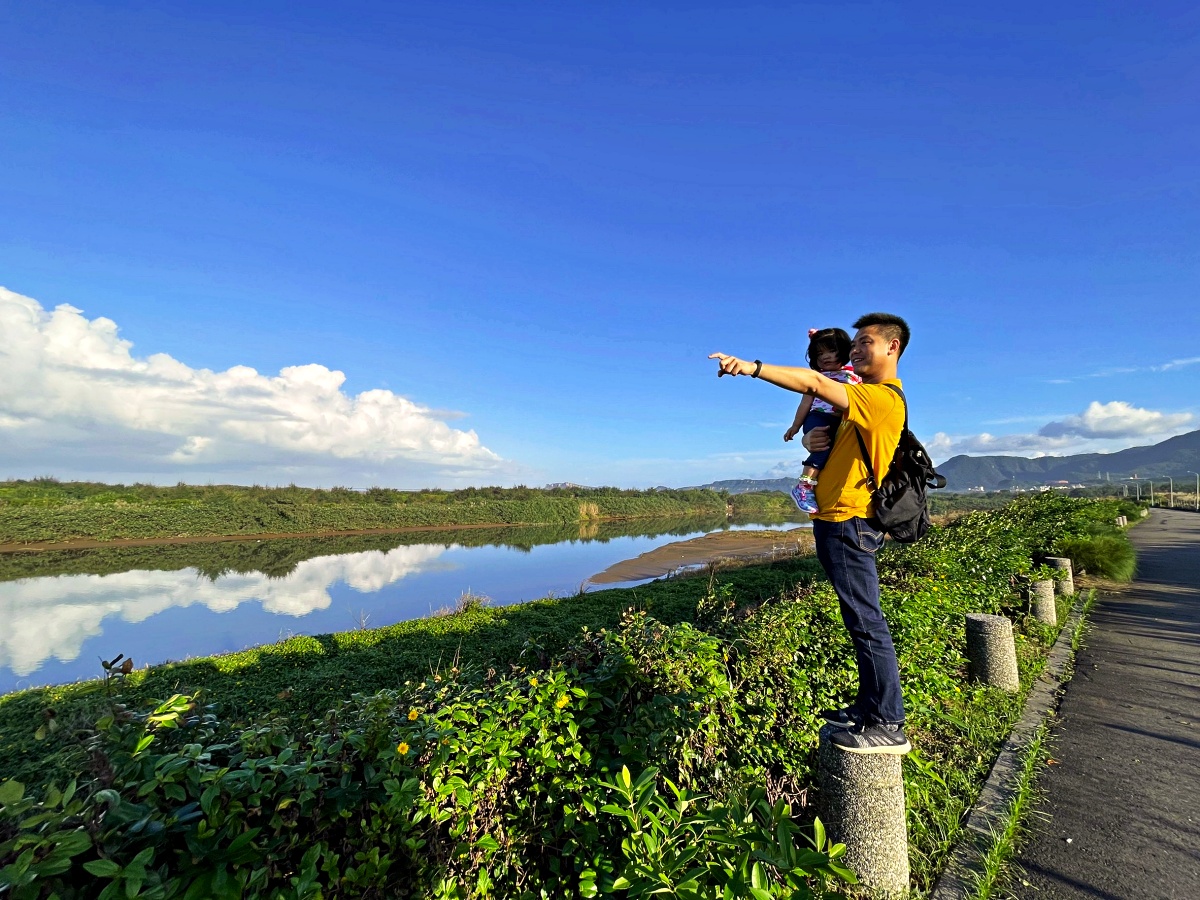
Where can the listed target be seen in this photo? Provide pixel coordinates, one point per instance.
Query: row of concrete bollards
(862, 796)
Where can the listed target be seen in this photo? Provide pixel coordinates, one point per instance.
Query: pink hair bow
(813, 331)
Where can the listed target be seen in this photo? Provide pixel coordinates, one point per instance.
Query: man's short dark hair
(889, 326)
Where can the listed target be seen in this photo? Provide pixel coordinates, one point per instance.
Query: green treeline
(47, 510)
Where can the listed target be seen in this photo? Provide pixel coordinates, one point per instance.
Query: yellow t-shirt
(842, 489)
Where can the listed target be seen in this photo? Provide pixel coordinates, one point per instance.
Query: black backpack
(900, 506)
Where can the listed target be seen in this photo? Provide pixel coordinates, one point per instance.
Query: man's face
(870, 351)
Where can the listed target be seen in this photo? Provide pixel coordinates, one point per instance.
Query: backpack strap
(904, 399)
(863, 444)
(867, 456)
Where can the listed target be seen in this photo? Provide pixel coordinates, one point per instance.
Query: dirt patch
(707, 548)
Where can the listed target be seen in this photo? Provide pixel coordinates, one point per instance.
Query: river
(62, 611)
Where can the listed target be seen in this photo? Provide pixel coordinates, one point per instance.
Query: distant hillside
(749, 485)
(1174, 457)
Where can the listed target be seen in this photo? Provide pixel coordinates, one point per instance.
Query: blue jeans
(847, 553)
(818, 419)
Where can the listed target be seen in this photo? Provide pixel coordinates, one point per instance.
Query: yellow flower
(412, 715)
(533, 682)
(402, 748)
(561, 702)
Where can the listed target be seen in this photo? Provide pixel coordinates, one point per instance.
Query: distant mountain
(750, 485)
(1174, 457)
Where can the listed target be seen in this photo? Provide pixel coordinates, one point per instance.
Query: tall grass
(1104, 554)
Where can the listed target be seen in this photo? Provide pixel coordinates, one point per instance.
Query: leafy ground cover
(47, 510)
(618, 742)
(302, 677)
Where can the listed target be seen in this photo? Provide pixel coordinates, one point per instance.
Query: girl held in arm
(828, 353)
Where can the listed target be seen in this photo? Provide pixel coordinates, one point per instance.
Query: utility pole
(1171, 482)
(1197, 497)
(1151, 491)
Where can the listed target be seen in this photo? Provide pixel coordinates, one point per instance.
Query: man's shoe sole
(835, 723)
(892, 750)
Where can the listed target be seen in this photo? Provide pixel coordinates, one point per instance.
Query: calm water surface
(61, 612)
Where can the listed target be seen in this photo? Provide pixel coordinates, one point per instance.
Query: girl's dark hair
(828, 339)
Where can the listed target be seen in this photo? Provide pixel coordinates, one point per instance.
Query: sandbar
(707, 548)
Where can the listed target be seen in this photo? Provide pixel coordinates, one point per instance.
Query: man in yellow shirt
(845, 531)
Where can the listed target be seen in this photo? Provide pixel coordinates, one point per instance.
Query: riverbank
(44, 512)
(279, 556)
(513, 720)
(455, 533)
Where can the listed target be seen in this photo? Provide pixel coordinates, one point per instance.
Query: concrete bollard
(992, 652)
(1124, 521)
(1066, 584)
(862, 806)
(1144, 513)
(1041, 602)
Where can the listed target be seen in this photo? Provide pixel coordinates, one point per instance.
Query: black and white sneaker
(847, 717)
(872, 739)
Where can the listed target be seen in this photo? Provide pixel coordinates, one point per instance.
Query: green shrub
(472, 784)
(1105, 555)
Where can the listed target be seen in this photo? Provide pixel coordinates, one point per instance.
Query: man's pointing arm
(800, 380)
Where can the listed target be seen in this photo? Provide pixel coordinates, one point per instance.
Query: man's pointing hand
(731, 365)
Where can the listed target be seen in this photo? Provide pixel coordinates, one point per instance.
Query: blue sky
(523, 227)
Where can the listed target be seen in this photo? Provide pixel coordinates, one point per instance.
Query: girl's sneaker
(805, 496)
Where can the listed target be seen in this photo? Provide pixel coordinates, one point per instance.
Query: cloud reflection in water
(45, 617)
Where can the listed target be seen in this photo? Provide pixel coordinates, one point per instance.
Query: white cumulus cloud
(74, 395)
(1102, 427)
(1117, 419)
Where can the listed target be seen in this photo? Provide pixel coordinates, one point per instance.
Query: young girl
(829, 353)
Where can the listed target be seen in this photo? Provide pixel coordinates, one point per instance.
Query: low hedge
(633, 759)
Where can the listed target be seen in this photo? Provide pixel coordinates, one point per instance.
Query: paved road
(1123, 804)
